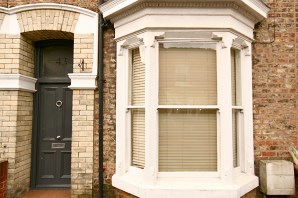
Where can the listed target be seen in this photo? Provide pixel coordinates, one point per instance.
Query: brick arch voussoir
(42, 23)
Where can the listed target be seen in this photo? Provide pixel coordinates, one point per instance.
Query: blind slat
(138, 115)
(138, 79)
(138, 137)
(187, 140)
(187, 77)
(236, 77)
(236, 101)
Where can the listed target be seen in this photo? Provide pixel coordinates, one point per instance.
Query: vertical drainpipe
(100, 102)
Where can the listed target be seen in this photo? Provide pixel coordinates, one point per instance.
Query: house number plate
(58, 145)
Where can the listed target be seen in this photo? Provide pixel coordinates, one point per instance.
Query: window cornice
(117, 9)
(132, 43)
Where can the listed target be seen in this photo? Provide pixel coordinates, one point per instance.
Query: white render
(82, 81)
(146, 24)
(7, 27)
(17, 82)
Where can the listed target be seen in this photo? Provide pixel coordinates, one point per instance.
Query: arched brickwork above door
(44, 21)
(47, 24)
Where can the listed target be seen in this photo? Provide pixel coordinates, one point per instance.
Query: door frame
(37, 106)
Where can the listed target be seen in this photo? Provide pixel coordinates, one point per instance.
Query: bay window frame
(148, 43)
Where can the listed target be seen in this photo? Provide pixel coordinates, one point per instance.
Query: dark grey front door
(52, 145)
(55, 136)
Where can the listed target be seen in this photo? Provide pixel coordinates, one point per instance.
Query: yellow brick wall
(15, 138)
(9, 54)
(26, 57)
(8, 126)
(82, 142)
(23, 140)
(83, 50)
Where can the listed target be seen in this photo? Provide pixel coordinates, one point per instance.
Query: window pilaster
(225, 107)
(122, 146)
(151, 148)
(246, 62)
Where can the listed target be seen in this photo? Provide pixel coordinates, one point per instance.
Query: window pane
(187, 140)
(236, 83)
(138, 137)
(235, 131)
(187, 76)
(57, 61)
(137, 79)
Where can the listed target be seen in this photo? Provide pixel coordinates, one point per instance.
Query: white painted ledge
(186, 187)
(82, 81)
(17, 82)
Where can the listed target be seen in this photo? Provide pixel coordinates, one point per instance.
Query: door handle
(58, 137)
(59, 103)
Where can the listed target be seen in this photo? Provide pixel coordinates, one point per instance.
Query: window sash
(190, 73)
(236, 77)
(236, 105)
(187, 76)
(235, 136)
(137, 95)
(187, 140)
(138, 137)
(137, 110)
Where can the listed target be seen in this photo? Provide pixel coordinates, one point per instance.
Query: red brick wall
(109, 110)
(3, 178)
(109, 122)
(275, 83)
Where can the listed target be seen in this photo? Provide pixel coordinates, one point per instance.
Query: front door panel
(53, 115)
(54, 139)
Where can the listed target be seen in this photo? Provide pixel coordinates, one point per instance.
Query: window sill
(182, 187)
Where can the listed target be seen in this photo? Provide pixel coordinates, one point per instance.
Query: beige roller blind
(187, 140)
(187, 76)
(235, 137)
(138, 137)
(236, 77)
(187, 137)
(236, 101)
(138, 79)
(137, 115)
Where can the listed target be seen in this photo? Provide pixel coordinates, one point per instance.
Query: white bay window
(184, 97)
(183, 114)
